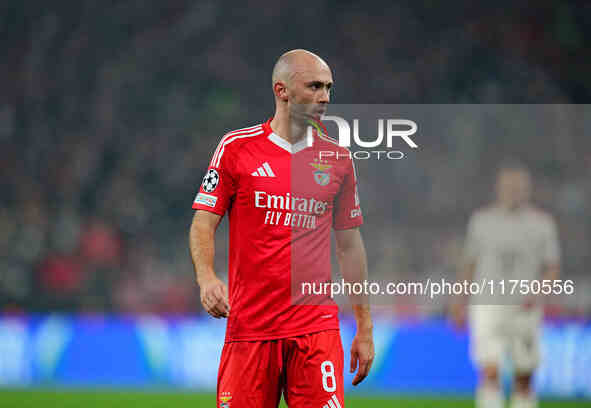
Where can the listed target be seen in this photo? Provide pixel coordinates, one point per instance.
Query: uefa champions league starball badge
(210, 181)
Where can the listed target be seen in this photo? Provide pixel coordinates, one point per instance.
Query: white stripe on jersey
(268, 169)
(326, 138)
(230, 140)
(230, 134)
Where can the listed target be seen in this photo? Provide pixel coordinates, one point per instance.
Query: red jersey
(282, 200)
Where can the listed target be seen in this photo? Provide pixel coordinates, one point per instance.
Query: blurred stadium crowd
(109, 112)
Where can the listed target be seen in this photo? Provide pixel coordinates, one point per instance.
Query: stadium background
(110, 110)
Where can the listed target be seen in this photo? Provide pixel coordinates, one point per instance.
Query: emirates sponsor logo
(290, 203)
(290, 211)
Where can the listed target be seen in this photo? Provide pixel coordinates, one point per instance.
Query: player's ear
(280, 91)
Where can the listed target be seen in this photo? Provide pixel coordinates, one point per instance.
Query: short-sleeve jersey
(282, 200)
(511, 244)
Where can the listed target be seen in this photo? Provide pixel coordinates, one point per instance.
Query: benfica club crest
(321, 175)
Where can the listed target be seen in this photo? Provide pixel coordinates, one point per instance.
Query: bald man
(283, 199)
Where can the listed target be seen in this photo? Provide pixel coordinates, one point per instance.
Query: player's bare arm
(214, 292)
(353, 265)
(552, 265)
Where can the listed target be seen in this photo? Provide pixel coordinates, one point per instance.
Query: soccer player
(510, 239)
(285, 186)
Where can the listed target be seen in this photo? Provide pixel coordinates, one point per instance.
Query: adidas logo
(332, 403)
(263, 171)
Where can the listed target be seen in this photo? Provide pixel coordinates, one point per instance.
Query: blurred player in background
(510, 239)
(279, 196)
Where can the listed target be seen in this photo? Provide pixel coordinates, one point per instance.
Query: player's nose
(324, 96)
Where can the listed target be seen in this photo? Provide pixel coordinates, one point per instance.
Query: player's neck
(288, 129)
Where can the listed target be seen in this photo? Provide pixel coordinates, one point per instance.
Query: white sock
(489, 397)
(520, 400)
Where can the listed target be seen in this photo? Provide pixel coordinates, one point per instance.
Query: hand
(362, 355)
(214, 297)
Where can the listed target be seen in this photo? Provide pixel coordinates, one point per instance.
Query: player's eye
(315, 86)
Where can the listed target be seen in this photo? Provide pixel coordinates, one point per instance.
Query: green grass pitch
(35, 398)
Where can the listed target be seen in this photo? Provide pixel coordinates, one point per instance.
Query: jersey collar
(282, 143)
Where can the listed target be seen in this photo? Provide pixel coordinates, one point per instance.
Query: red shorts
(308, 370)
